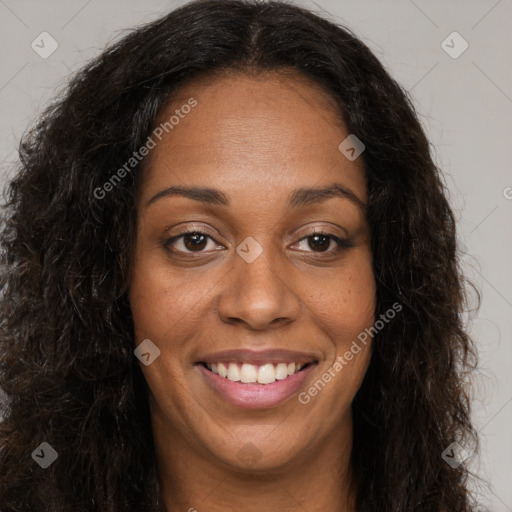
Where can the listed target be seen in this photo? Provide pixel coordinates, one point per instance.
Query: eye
(321, 242)
(191, 241)
(197, 242)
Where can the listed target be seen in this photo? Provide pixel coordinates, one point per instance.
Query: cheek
(167, 310)
(149, 298)
(161, 301)
(343, 311)
(344, 305)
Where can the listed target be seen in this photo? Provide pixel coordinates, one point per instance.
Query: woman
(232, 281)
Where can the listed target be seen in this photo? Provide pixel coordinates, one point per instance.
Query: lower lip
(254, 395)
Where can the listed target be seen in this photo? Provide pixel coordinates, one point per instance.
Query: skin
(256, 139)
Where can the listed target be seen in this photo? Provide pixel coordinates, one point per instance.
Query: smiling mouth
(255, 374)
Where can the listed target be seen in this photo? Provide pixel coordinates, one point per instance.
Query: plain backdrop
(464, 99)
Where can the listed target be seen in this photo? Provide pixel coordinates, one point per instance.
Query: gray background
(465, 104)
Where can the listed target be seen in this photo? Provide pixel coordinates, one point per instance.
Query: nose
(259, 295)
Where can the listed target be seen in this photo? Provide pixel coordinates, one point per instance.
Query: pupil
(194, 241)
(325, 242)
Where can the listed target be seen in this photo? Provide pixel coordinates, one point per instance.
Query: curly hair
(67, 366)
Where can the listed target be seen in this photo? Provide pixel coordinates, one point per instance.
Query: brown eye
(193, 241)
(319, 243)
(322, 243)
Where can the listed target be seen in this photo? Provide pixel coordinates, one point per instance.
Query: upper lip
(258, 357)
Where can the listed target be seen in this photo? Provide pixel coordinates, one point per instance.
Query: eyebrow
(300, 197)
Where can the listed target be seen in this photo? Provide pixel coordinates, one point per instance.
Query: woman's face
(254, 292)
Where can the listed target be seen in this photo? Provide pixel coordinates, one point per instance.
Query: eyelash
(341, 244)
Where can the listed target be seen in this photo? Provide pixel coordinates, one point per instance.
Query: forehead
(273, 131)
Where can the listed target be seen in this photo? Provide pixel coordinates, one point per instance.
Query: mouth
(256, 374)
(256, 380)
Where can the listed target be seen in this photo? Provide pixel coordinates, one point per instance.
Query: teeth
(233, 372)
(282, 371)
(249, 373)
(223, 371)
(266, 374)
